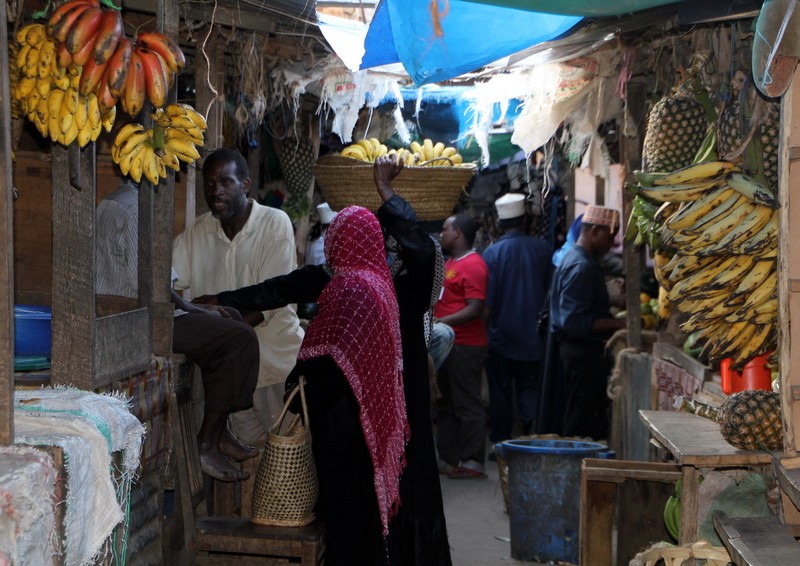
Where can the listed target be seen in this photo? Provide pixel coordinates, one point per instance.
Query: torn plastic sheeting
(586, 8)
(437, 44)
(346, 37)
(455, 106)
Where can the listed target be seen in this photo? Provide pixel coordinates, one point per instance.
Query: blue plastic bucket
(544, 490)
(32, 331)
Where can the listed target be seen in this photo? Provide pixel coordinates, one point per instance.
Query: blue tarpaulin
(442, 40)
(586, 8)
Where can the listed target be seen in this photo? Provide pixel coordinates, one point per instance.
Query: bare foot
(216, 465)
(230, 446)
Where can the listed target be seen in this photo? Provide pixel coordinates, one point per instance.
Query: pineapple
(676, 127)
(751, 420)
(732, 129)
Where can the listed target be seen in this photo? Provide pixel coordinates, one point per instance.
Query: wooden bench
(229, 539)
(757, 541)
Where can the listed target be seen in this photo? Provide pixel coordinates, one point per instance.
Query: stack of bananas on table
(722, 275)
(426, 153)
(50, 95)
(177, 131)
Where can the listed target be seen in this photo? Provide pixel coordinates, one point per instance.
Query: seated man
(216, 339)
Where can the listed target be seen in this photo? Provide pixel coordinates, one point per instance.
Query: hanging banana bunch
(723, 272)
(148, 152)
(49, 94)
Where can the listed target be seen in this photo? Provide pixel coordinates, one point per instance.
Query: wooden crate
(628, 495)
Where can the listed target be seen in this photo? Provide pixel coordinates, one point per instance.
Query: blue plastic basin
(32, 330)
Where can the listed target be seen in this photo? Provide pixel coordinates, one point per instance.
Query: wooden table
(696, 442)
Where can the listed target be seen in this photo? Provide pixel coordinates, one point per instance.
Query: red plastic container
(754, 375)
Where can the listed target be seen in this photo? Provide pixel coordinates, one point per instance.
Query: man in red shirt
(460, 413)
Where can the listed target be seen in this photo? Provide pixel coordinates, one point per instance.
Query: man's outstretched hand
(386, 168)
(206, 300)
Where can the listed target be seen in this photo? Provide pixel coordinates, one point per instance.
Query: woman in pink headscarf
(352, 359)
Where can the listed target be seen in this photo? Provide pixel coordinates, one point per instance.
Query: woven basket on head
(286, 486)
(433, 191)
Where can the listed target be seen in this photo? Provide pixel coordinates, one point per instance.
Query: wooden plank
(787, 472)
(689, 497)
(757, 541)
(130, 328)
(696, 441)
(6, 249)
(789, 262)
(630, 438)
(167, 19)
(73, 306)
(596, 521)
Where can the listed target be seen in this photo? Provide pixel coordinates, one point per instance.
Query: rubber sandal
(461, 473)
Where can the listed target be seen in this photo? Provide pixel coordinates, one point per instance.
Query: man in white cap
(582, 322)
(518, 278)
(315, 253)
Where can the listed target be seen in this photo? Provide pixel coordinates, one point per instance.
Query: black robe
(418, 533)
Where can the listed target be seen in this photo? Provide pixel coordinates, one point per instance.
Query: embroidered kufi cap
(511, 205)
(601, 216)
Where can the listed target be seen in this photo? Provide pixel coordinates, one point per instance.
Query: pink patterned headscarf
(358, 325)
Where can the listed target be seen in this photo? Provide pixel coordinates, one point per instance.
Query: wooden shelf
(697, 441)
(787, 472)
(757, 541)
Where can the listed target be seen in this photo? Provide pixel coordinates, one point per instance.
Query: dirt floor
(477, 524)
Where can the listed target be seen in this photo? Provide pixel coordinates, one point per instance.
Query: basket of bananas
(433, 177)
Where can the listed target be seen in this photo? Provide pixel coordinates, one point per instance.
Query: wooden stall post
(789, 278)
(163, 210)
(6, 248)
(73, 327)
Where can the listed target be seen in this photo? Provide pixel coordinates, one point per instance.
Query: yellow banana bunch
(402, 154)
(148, 153)
(49, 94)
(722, 277)
(133, 150)
(365, 150)
(430, 153)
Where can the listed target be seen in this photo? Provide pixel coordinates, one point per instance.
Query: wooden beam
(6, 248)
(163, 202)
(789, 263)
(73, 327)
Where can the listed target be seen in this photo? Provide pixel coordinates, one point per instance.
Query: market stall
(683, 120)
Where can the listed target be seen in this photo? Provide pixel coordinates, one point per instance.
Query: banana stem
(158, 137)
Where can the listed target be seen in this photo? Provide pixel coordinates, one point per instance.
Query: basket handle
(440, 158)
(279, 421)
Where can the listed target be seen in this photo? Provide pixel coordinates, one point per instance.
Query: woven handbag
(286, 486)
